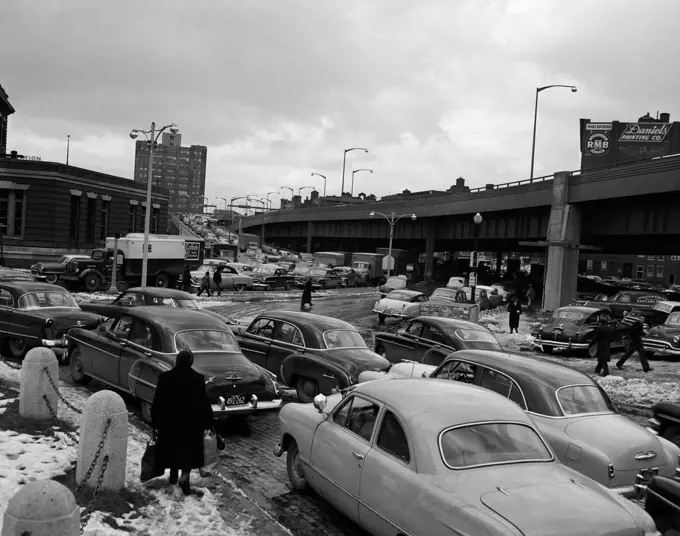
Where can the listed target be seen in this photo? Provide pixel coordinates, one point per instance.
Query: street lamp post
(269, 203)
(533, 142)
(474, 256)
(2, 244)
(303, 188)
(257, 200)
(231, 205)
(151, 136)
(392, 219)
(253, 198)
(344, 162)
(324, 181)
(225, 202)
(357, 171)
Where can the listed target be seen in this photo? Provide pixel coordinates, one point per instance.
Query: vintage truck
(625, 301)
(331, 259)
(168, 255)
(368, 267)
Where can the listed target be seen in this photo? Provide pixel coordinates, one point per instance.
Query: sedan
(572, 411)
(399, 304)
(231, 279)
(664, 339)
(272, 276)
(323, 278)
(52, 271)
(429, 339)
(131, 351)
(438, 458)
(310, 353)
(349, 277)
(39, 314)
(393, 283)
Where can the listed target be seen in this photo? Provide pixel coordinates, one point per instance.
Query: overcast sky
(277, 89)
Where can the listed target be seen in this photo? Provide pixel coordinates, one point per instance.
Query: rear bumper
(222, 410)
(569, 345)
(54, 343)
(390, 314)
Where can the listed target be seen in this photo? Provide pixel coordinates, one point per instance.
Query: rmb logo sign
(597, 144)
(645, 132)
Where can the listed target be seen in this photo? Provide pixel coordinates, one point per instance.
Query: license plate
(236, 400)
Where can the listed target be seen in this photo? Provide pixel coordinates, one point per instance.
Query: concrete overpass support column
(430, 236)
(310, 235)
(564, 237)
(499, 262)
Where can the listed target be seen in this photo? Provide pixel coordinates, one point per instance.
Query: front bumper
(54, 343)
(567, 345)
(391, 314)
(222, 410)
(658, 346)
(278, 450)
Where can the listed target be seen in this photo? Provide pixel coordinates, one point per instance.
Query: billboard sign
(645, 132)
(597, 144)
(192, 251)
(599, 126)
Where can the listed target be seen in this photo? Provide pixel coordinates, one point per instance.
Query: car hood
(663, 331)
(48, 266)
(226, 377)
(65, 318)
(619, 439)
(569, 327)
(395, 305)
(357, 360)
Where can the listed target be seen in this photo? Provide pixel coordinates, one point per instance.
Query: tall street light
(392, 219)
(533, 143)
(231, 205)
(269, 203)
(225, 202)
(292, 192)
(324, 181)
(256, 199)
(344, 162)
(357, 171)
(474, 256)
(303, 188)
(151, 136)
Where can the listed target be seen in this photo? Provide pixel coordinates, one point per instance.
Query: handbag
(209, 453)
(150, 463)
(220, 441)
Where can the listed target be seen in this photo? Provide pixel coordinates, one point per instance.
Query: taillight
(50, 333)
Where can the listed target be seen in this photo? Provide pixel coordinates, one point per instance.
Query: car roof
(32, 286)
(586, 310)
(671, 303)
(638, 292)
(404, 291)
(446, 322)
(162, 292)
(174, 319)
(308, 320)
(537, 378)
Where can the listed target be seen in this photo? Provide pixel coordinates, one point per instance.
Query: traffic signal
(474, 259)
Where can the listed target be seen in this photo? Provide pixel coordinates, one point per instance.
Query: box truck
(368, 267)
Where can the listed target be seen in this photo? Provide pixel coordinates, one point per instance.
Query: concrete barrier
(35, 383)
(42, 508)
(103, 433)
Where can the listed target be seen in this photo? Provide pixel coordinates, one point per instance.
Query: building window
(659, 271)
(133, 218)
(104, 225)
(650, 257)
(589, 265)
(675, 258)
(603, 266)
(75, 219)
(12, 212)
(659, 257)
(640, 272)
(91, 217)
(641, 256)
(650, 270)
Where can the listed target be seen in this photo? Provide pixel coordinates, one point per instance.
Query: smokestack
(489, 186)
(664, 117)
(460, 182)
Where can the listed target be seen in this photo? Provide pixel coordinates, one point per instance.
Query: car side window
(141, 334)
(131, 299)
(263, 328)
(624, 298)
(458, 371)
(433, 334)
(287, 333)
(444, 370)
(415, 329)
(358, 415)
(123, 327)
(6, 299)
(496, 382)
(392, 438)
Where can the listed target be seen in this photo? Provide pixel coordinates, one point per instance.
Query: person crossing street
(604, 335)
(636, 334)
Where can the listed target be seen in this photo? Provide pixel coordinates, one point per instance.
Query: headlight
(676, 340)
(651, 532)
(376, 303)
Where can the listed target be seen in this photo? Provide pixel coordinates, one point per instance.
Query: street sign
(474, 259)
(473, 279)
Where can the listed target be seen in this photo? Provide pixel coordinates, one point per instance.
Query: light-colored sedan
(399, 304)
(438, 458)
(231, 279)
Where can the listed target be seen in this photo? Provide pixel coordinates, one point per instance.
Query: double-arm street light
(533, 142)
(344, 162)
(269, 203)
(357, 171)
(392, 219)
(324, 181)
(257, 200)
(474, 256)
(151, 136)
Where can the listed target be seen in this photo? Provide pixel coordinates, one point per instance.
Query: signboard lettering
(646, 132)
(597, 144)
(33, 158)
(599, 126)
(474, 259)
(473, 279)
(192, 251)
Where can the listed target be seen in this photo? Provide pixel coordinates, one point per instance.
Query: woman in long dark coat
(306, 295)
(180, 414)
(515, 309)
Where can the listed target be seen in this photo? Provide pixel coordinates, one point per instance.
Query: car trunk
(227, 376)
(561, 331)
(66, 318)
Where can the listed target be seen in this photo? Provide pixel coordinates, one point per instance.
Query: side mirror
(320, 402)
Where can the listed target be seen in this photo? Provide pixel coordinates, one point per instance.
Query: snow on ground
(638, 392)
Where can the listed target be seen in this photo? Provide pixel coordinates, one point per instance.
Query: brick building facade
(5, 111)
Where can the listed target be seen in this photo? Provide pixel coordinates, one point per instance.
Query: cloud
(277, 90)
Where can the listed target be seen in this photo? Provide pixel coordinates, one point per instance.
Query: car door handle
(358, 455)
(329, 376)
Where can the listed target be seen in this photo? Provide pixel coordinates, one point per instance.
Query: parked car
(429, 339)
(11, 274)
(323, 278)
(163, 297)
(663, 504)
(438, 458)
(271, 277)
(241, 268)
(131, 351)
(572, 328)
(664, 339)
(456, 283)
(653, 317)
(492, 294)
(51, 272)
(393, 283)
(231, 279)
(310, 353)
(666, 421)
(445, 296)
(572, 411)
(36, 314)
(624, 301)
(301, 274)
(348, 277)
(399, 304)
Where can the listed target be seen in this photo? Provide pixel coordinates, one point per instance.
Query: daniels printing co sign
(645, 132)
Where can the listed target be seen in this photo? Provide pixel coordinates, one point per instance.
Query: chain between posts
(10, 364)
(89, 509)
(61, 397)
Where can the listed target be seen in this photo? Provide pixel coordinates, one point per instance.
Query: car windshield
(64, 259)
(473, 335)
(396, 282)
(673, 319)
(41, 300)
(446, 293)
(173, 302)
(317, 271)
(204, 340)
(399, 296)
(343, 338)
(265, 269)
(570, 316)
(301, 270)
(342, 270)
(662, 307)
(580, 399)
(491, 443)
(360, 265)
(206, 268)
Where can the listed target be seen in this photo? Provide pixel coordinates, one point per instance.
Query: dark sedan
(131, 351)
(429, 339)
(653, 317)
(51, 272)
(310, 353)
(348, 276)
(38, 314)
(323, 278)
(666, 421)
(664, 339)
(152, 296)
(272, 277)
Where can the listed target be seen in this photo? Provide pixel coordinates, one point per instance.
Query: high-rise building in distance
(181, 170)
(5, 111)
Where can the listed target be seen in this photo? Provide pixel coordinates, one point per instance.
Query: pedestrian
(181, 413)
(186, 279)
(515, 310)
(602, 341)
(205, 285)
(531, 295)
(636, 332)
(307, 294)
(217, 279)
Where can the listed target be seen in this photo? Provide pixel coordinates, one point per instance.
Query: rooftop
(4, 102)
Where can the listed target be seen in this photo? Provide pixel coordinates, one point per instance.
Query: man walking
(217, 279)
(636, 333)
(604, 335)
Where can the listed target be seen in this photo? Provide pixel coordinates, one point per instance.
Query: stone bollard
(42, 508)
(99, 408)
(35, 384)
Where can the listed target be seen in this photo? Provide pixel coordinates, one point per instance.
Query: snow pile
(90, 297)
(497, 322)
(639, 392)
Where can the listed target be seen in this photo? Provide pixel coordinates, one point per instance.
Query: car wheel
(240, 287)
(77, 369)
(381, 352)
(268, 288)
(18, 347)
(146, 410)
(51, 278)
(92, 282)
(547, 349)
(306, 389)
(162, 281)
(294, 467)
(672, 434)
